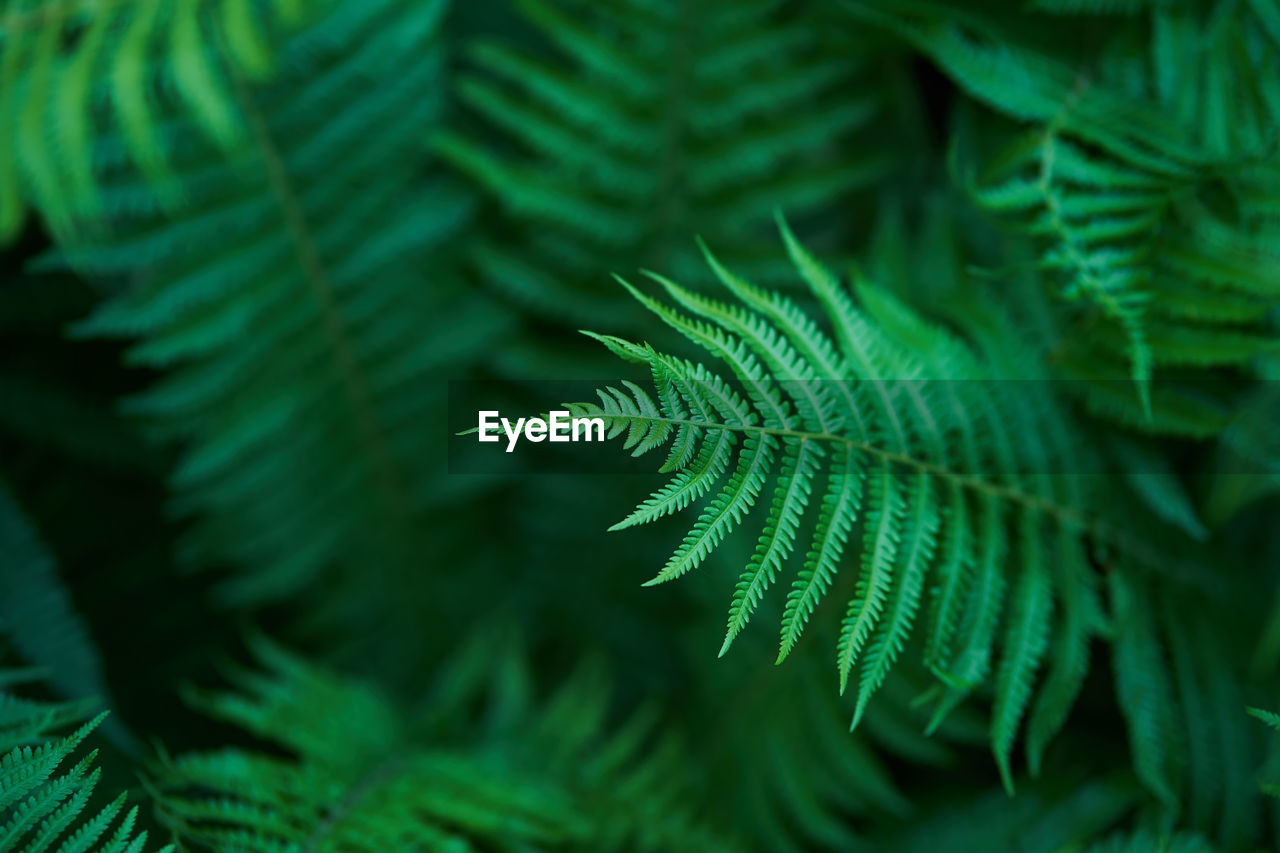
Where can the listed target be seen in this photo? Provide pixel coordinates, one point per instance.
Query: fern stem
(321, 287)
(1066, 516)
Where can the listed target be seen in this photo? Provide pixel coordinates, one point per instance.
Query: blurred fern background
(957, 325)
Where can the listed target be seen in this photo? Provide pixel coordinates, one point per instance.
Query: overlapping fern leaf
(296, 305)
(45, 789)
(678, 145)
(486, 765)
(1152, 189)
(70, 70)
(888, 445)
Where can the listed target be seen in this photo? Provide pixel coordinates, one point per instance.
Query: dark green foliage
(285, 300)
(992, 427)
(885, 437)
(485, 764)
(1150, 187)
(643, 134)
(72, 71)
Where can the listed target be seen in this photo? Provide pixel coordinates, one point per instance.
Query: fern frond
(71, 71)
(939, 478)
(284, 305)
(1122, 186)
(357, 775)
(43, 801)
(618, 180)
(1271, 718)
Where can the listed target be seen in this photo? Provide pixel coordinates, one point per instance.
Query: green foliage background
(248, 245)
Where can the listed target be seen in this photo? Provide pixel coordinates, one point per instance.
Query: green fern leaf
(57, 94)
(1118, 183)
(283, 305)
(885, 439)
(42, 804)
(676, 143)
(350, 773)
